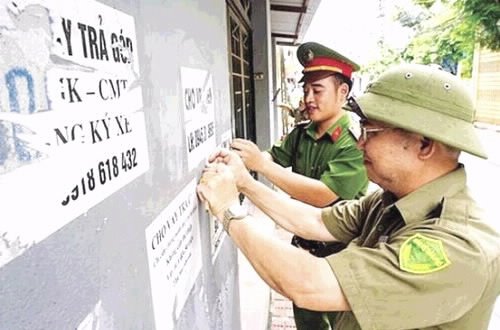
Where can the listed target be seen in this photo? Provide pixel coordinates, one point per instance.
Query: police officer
(420, 254)
(326, 164)
(324, 150)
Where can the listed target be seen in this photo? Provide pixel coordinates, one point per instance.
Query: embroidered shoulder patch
(422, 255)
(336, 133)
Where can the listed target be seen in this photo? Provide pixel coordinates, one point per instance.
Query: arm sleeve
(346, 173)
(282, 151)
(383, 296)
(345, 219)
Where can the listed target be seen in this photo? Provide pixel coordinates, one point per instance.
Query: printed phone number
(105, 172)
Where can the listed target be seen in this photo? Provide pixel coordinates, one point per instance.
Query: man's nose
(308, 97)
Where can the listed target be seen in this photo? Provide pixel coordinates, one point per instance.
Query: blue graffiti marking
(10, 78)
(4, 147)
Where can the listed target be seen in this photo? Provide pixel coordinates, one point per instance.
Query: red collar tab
(336, 133)
(328, 64)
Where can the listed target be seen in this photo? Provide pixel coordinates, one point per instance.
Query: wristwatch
(233, 212)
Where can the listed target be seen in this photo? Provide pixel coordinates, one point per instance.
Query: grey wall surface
(95, 267)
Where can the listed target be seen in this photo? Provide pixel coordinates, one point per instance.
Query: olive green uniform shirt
(425, 261)
(332, 158)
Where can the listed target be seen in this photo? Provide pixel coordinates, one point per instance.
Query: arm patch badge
(422, 255)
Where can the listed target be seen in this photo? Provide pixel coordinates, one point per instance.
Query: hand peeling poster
(72, 128)
(199, 122)
(217, 232)
(174, 256)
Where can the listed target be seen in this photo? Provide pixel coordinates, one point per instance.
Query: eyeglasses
(366, 132)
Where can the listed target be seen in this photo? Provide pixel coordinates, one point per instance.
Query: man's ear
(427, 147)
(425, 142)
(344, 89)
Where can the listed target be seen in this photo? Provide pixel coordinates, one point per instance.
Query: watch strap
(234, 212)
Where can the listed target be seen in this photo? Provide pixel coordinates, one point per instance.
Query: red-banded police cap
(320, 61)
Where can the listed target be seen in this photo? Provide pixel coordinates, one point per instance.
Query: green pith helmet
(424, 100)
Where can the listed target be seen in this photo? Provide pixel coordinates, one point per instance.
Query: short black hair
(343, 79)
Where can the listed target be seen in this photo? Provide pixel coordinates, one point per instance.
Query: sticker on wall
(174, 256)
(72, 129)
(199, 120)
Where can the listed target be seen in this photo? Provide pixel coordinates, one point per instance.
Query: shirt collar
(420, 203)
(342, 124)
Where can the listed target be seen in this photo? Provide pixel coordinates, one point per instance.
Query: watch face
(234, 212)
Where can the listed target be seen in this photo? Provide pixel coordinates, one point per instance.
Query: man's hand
(249, 153)
(217, 187)
(235, 164)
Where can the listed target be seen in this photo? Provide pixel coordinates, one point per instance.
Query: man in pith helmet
(419, 253)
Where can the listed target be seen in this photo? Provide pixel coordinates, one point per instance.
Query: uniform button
(380, 228)
(315, 144)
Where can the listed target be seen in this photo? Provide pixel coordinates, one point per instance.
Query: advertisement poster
(72, 128)
(174, 256)
(199, 120)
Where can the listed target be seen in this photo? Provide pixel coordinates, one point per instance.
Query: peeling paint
(10, 249)
(26, 44)
(223, 301)
(25, 50)
(98, 319)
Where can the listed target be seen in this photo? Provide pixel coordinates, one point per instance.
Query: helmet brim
(437, 126)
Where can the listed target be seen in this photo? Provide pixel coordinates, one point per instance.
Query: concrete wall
(93, 181)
